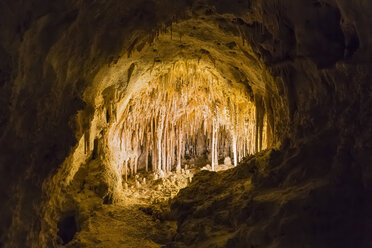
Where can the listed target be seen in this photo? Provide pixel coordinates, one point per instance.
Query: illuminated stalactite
(164, 120)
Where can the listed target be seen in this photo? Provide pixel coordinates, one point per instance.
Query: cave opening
(149, 137)
(169, 106)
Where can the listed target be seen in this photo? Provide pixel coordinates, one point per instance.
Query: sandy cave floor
(140, 219)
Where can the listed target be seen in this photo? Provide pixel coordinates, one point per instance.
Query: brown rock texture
(66, 67)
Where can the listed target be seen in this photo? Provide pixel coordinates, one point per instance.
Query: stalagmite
(147, 157)
(135, 164)
(132, 166)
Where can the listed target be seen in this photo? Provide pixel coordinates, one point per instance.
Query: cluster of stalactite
(169, 118)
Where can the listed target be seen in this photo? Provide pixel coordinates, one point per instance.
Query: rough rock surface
(64, 64)
(259, 205)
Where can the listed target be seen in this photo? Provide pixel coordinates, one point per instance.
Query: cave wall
(316, 55)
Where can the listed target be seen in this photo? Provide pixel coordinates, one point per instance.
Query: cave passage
(185, 113)
(163, 130)
(186, 123)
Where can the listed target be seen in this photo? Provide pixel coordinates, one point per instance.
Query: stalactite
(126, 169)
(165, 147)
(147, 157)
(179, 149)
(164, 119)
(213, 144)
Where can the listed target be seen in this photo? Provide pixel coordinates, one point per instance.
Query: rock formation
(68, 70)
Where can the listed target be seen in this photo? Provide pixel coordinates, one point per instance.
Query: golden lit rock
(198, 123)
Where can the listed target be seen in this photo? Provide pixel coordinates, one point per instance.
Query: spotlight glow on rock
(188, 111)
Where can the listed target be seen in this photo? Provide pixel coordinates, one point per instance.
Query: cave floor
(119, 225)
(139, 219)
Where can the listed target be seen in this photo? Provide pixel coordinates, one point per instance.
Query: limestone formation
(93, 93)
